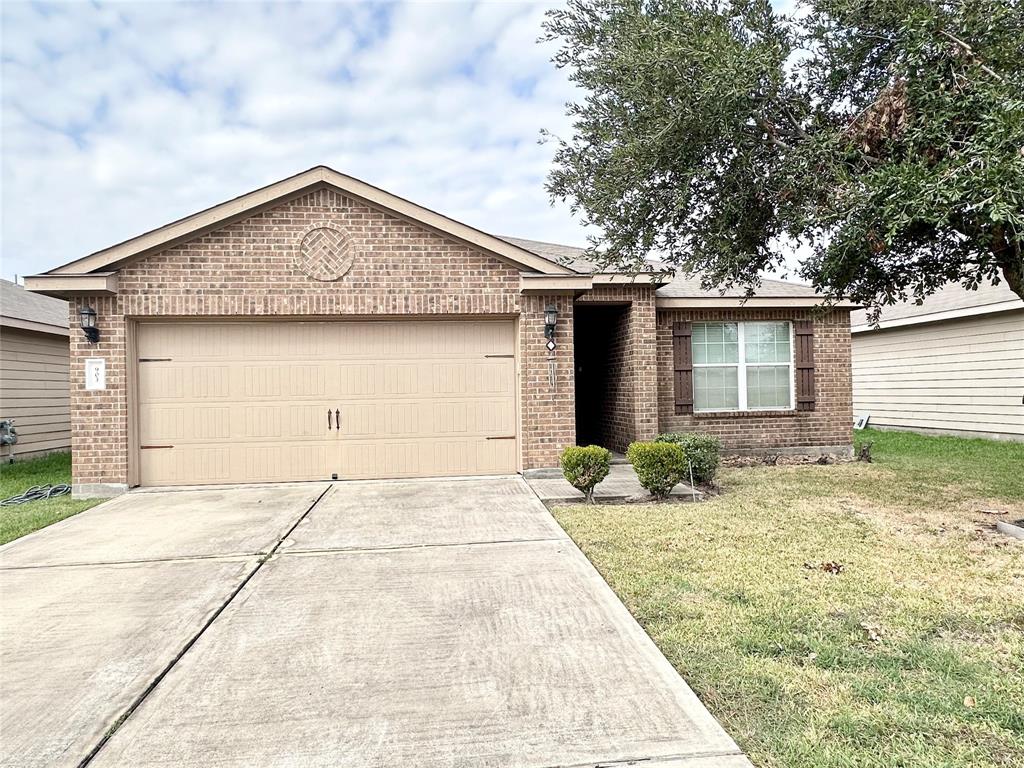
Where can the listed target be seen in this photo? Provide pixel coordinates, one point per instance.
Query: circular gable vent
(325, 252)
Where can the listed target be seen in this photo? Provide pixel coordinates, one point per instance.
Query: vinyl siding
(960, 376)
(34, 391)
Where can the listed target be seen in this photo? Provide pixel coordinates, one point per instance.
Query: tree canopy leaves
(886, 137)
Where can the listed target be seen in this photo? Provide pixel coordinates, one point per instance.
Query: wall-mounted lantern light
(550, 320)
(87, 315)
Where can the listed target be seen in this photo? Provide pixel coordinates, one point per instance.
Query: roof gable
(303, 183)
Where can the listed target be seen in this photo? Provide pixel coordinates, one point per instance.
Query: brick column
(99, 418)
(643, 357)
(548, 404)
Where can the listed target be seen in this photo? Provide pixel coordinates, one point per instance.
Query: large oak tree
(885, 138)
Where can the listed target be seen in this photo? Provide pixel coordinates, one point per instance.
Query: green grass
(870, 667)
(16, 521)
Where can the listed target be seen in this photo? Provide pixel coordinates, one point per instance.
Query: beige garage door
(253, 402)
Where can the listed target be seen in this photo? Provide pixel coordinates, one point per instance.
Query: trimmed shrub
(584, 468)
(703, 451)
(658, 466)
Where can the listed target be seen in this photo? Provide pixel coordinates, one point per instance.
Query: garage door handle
(337, 419)
(328, 418)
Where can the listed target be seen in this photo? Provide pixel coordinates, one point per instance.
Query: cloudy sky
(118, 118)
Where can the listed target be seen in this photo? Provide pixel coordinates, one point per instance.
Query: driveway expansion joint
(139, 561)
(123, 718)
(696, 759)
(400, 547)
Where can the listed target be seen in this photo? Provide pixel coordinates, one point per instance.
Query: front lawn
(912, 654)
(17, 478)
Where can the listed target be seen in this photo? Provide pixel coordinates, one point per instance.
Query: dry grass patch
(905, 649)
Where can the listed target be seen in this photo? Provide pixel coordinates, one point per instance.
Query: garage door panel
(308, 461)
(187, 465)
(492, 378)
(162, 423)
(163, 382)
(482, 418)
(307, 421)
(261, 381)
(357, 379)
(448, 378)
(441, 457)
(401, 379)
(250, 401)
(428, 418)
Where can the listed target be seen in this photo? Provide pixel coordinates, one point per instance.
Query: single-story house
(321, 327)
(953, 364)
(34, 359)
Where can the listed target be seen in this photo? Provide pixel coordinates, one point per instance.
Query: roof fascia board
(63, 286)
(31, 325)
(757, 302)
(536, 283)
(195, 225)
(936, 317)
(261, 199)
(625, 278)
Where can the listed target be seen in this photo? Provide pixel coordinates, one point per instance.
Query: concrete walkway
(621, 485)
(427, 623)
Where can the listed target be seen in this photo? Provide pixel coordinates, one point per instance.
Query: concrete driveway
(428, 623)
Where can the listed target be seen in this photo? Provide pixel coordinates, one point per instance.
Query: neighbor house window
(742, 366)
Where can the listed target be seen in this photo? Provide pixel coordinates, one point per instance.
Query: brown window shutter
(682, 363)
(803, 330)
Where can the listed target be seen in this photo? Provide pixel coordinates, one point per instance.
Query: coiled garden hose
(37, 493)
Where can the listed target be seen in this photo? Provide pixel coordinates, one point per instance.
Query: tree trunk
(1014, 274)
(1010, 260)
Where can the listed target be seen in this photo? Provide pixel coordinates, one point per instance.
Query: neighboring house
(953, 364)
(321, 327)
(34, 356)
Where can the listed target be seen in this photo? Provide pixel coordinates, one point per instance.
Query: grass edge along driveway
(912, 654)
(16, 478)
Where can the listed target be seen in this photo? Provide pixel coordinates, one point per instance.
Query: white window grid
(741, 372)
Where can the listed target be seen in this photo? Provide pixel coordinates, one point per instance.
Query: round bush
(703, 451)
(658, 466)
(585, 467)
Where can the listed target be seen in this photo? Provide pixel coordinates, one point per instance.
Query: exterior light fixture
(550, 320)
(87, 315)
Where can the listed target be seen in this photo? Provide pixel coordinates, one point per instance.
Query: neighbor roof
(950, 301)
(30, 311)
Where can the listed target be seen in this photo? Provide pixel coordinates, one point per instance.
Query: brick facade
(630, 413)
(547, 382)
(99, 419)
(401, 269)
(247, 269)
(829, 426)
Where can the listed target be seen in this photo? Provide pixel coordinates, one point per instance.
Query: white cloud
(119, 118)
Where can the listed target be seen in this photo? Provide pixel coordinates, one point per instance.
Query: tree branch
(771, 130)
(970, 52)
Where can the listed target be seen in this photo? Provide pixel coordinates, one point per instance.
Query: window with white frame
(742, 366)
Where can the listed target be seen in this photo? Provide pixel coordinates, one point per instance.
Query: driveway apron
(429, 623)
(94, 608)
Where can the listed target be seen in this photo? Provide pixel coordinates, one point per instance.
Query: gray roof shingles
(948, 298)
(679, 287)
(18, 304)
